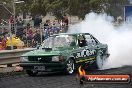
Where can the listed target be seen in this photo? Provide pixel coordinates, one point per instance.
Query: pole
(10, 36)
(14, 11)
(14, 16)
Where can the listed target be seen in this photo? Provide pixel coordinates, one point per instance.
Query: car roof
(72, 34)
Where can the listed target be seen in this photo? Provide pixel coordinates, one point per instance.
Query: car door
(90, 50)
(85, 51)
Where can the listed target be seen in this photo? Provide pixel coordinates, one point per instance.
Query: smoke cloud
(119, 39)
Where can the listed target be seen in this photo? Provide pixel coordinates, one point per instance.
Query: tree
(4, 12)
(72, 7)
(115, 7)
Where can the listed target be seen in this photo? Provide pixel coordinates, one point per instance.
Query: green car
(65, 52)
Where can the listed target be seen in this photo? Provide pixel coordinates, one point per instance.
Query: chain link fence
(29, 35)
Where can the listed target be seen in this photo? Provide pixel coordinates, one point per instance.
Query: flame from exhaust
(81, 71)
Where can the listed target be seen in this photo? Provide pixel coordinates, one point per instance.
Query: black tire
(70, 67)
(31, 73)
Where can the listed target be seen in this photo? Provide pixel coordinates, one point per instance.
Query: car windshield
(58, 41)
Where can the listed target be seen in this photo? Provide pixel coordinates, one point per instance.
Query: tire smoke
(119, 39)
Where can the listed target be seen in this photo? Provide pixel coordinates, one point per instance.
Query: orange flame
(81, 71)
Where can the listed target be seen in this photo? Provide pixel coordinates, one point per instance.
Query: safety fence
(30, 36)
(39, 34)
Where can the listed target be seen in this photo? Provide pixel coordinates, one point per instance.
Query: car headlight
(58, 58)
(55, 58)
(24, 59)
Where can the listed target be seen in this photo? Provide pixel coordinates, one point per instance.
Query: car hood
(43, 52)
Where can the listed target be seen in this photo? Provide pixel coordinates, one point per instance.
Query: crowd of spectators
(33, 35)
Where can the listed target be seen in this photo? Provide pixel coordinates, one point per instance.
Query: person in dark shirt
(66, 21)
(20, 22)
(37, 38)
(47, 28)
(37, 22)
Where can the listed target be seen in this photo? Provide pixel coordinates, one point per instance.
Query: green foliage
(115, 7)
(72, 7)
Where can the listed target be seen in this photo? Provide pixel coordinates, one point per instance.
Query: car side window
(90, 40)
(82, 41)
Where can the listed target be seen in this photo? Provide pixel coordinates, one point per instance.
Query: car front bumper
(48, 67)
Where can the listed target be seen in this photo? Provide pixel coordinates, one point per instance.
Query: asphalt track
(58, 80)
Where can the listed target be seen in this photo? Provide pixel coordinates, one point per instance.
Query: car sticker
(88, 59)
(85, 53)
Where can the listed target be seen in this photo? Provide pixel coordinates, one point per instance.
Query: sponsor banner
(106, 78)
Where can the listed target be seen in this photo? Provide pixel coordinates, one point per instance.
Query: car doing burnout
(65, 52)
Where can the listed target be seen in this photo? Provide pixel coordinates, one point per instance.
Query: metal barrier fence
(9, 57)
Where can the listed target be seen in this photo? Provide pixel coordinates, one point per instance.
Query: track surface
(57, 80)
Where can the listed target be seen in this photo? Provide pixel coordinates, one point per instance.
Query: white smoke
(119, 39)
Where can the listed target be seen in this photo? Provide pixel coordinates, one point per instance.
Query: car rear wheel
(70, 67)
(31, 72)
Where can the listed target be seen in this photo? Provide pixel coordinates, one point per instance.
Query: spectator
(4, 39)
(20, 22)
(29, 35)
(66, 21)
(37, 22)
(47, 28)
(55, 26)
(37, 38)
(20, 33)
(47, 23)
(11, 20)
(24, 36)
(5, 31)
